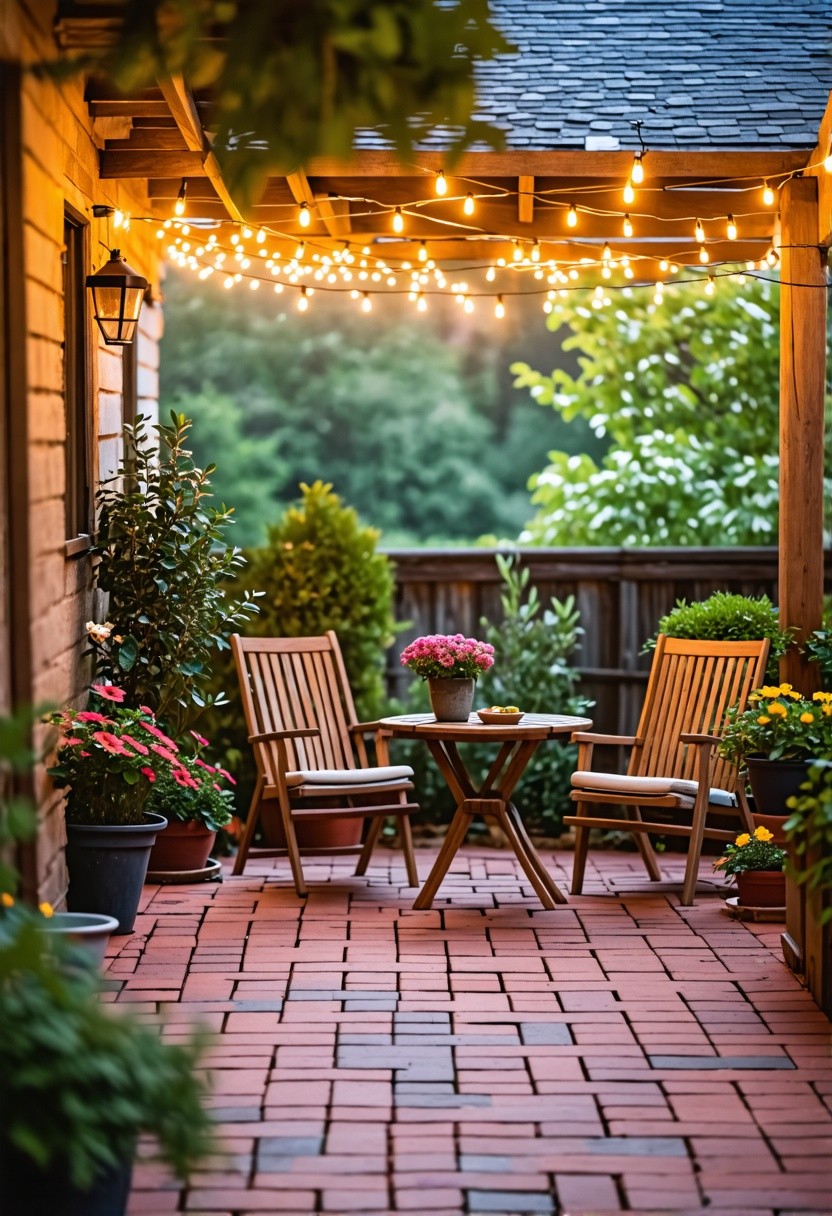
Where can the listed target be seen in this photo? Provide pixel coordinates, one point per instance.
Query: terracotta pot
(773, 782)
(451, 700)
(184, 846)
(327, 834)
(774, 823)
(762, 889)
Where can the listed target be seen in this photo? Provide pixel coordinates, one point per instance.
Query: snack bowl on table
(500, 716)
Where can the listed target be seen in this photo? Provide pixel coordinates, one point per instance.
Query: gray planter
(107, 864)
(87, 931)
(451, 699)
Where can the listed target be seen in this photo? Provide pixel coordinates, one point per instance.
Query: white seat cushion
(649, 787)
(350, 776)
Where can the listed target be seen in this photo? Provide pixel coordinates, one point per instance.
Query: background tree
(686, 395)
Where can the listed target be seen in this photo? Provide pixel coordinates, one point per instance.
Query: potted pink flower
(195, 799)
(451, 664)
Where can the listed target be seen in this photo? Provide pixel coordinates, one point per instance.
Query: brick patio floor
(618, 1054)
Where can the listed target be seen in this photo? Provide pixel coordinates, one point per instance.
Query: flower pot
(451, 699)
(86, 931)
(107, 864)
(182, 846)
(28, 1190)
(326, 834)
(762, 889)
(773, 782)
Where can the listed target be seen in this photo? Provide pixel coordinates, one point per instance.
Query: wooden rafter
(186, 115)
(525, 199)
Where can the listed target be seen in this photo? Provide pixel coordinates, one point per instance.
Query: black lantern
(117, 293)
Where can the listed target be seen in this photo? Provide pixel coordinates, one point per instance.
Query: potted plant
(776, 738)
(108, 759)
(756, 861)
(728, 617)
(451, 664)
(194, 799)
(79, 1086)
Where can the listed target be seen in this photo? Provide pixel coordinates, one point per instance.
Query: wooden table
(517, 745)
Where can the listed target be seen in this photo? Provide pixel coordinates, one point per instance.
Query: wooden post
(802, 390)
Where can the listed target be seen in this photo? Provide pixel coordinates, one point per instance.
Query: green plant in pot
(194, 798)
(756, 861)
(728, 617)
(79, 1085)
(109, 757)
(776, 739)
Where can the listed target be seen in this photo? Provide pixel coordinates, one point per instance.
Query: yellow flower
(777, 709)
(743, 839)
(788, 691)
(6, 900)
(807, 717)
(762, 833)
(764, 720)
(46, 910)
(720, 862)
(825, 697)
(769, 690)
(827, 710)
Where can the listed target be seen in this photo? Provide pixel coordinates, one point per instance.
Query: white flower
(99, 633)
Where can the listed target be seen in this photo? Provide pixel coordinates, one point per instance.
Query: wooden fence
(620, 593)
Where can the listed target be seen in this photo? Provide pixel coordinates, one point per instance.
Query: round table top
(531, 726)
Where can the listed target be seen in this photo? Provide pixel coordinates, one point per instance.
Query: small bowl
(490, 717)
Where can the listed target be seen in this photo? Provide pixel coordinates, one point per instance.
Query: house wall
(59, 166)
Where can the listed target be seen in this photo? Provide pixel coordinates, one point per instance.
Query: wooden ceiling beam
(335, 213)
(821, 152)
(184, 110)
(525, 199)
(112, 108)
(142, 163)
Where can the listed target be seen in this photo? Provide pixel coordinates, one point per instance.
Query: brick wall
(60, 166)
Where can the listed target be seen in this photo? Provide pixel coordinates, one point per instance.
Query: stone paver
(618, 1054)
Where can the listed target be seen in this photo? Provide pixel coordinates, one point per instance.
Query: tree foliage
(686, 395)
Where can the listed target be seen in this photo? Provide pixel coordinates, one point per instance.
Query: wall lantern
(117, 293)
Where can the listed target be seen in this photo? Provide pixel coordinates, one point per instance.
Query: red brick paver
(620, 1053)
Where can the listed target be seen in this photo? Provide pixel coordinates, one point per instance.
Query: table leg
(533, 856)
(454, 837)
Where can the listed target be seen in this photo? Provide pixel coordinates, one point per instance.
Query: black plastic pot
(107, 866)
(27, 1190)
(774, 781)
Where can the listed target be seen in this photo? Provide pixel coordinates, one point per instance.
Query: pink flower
(160, 734)
(164, 753)
(134, 743)
(209, 768)
(185, 779)
(201, 740)
(109, 692)
(225, 774)
(72, 741)
(110, 742)
(145, 709)
(216, 787)
(89, 715)
(149, 773)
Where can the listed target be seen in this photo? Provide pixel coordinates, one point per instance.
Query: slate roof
(699, 73)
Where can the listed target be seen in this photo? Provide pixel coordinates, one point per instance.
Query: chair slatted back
(295, 683)
(692, 685)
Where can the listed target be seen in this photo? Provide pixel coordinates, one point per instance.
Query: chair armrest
(584, 736)
(366, 728)
(701, 740)
(271, 736)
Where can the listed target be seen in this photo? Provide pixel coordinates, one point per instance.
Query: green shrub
(533, 646)
(726, 617)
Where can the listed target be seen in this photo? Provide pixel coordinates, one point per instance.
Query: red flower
(149, 773)
(145, 709)
(209, 768)
(72, 741)
(109, 692)
(134, 743)
(110, 742)
(184, 779)
(201, 740)
(164, 753)
(88, 715)
(227, 775)
(160, 734)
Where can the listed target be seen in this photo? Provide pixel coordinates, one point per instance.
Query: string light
(304, 217)
(422, 303)
(303, 299)
(699, 232)
(628, 225)
(629, 192)
(731, 229)
(118, 218)
(468, 205)
(468, 304)
(499, 309)
(710, 286)
(261, 236)
(637, 171)
(664, 265)
(441, 184)
(658, 295)
(398, 220)
(572, 216)
(535, 250)
(366, 302)
(768, 195)
(179, 205)
(491, 274)
(606, 252)
(704, 256)
(423, 252)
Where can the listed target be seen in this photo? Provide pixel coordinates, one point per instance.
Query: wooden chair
(301, 723)
(674, 768)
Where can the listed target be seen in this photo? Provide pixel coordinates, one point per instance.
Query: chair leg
(407, 849)
(581, 850)
(369, 845)
(292, 848)
(700, 812)
(249, 828)
(648, 853)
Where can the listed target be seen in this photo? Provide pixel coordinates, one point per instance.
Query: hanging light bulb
(629, 192)
(468, 304)
(637, 171)
(704, 256)
(535, 250)
(572, 216)
(664, 265)
(491, 274)
(398, 220)
(772, 258)
(699, 232)
(768, 195)
(303, 300)
(731, 229)
(517, 252)
(606, 271)
(304, 215)
(710, 286)
(261, 236)
(468, 205)
(422, 303)
(441, 184)
(300, 251)
(658, 295)
(499, 309)
(179, 205)
(628, 225)
(606, 252)
(366, 302)
(423, 252)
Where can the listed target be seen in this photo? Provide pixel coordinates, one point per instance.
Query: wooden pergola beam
(186, 115)
(824, 179)
(525, 199)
